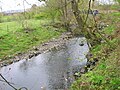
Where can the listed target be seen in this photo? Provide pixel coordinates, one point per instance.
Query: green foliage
(115, 7)
(102, 66)
(40, 16)
(109, 30)
(96, 79)
(7, 27)
(6, 18)
(106, 74)
(118, 1)
(52, 9)
(96, 48)
(17, 39)
(116, 14)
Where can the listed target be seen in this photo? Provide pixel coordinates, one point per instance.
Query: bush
(40, 16)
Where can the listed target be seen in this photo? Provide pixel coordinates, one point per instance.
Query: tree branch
(8, 82)
(11, 83)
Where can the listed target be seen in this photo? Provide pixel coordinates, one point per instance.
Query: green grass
(5, 18)
(7, 27)
(109, 30)
(115, 7)
(106, 74)
(14, 39)
(108, 7)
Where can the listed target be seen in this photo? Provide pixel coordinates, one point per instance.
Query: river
(48, 71)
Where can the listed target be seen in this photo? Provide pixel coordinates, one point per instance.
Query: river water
(48, 71)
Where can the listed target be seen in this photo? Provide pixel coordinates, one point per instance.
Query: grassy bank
(106, 73)
(14, 38)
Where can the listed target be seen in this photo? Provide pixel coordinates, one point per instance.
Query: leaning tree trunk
(76, 13)
(93, 2)
(65, 14)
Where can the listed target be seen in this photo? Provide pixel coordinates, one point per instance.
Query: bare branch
(89, 9)
(11, 83)
(27, 2)
(8, 82)
(4, 81)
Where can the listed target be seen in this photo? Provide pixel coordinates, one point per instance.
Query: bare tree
(75, 9)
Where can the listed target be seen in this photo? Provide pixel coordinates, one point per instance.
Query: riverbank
(17, 41)
(53, 43)
(105, 75)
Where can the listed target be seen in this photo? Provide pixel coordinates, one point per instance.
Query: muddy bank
(36, 50)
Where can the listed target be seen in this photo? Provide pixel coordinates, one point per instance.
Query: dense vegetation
(21, 31)
(106, 74)
(19, 34)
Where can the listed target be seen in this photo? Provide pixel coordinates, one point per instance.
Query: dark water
(48, 71)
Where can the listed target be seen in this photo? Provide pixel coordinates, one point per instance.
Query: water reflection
(51, 71)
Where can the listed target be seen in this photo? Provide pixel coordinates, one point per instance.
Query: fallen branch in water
(8, 82)
(11, 83)
(4, 81)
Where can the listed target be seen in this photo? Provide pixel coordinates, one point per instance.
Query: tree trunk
(93, 2)
(76, 13)
(65, 14)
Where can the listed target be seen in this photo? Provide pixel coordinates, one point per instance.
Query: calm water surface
(48, 71)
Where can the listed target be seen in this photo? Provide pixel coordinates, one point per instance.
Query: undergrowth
(106, 74)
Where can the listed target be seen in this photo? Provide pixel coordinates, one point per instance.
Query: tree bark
(65, 14)
(76, 13)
